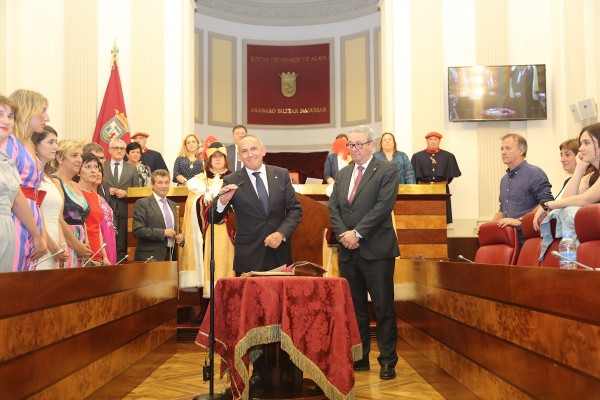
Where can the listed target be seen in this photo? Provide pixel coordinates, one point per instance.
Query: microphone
(93, 255)
(47, 258)
(122, 259)
(460, 257)
(558, 255)
(149, 259)
(240, 184)
(418, 257)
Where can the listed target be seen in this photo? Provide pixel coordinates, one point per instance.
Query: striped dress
(31, 173)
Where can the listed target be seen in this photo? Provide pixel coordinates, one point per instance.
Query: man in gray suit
(119, 175)
(238, 132)
(360, 210)
(266, 209)
(155, 222)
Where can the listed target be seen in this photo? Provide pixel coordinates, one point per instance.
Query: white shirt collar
(262, 170)
(365, 165)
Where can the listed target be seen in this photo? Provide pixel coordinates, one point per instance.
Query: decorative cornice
(286, 13)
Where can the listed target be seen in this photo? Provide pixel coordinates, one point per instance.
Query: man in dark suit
(238, 132)
(266, 209)
(360, 209)
(155, 222)
(119, 176)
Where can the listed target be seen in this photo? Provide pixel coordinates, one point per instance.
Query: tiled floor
(180, 378)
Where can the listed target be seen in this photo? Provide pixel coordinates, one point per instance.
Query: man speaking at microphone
(266, 209)
(155, 222)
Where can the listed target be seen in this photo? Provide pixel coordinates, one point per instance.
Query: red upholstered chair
(497, 245)
(530, 252)
(587, 227)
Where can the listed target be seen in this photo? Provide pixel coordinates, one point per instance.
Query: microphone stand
(211, 335)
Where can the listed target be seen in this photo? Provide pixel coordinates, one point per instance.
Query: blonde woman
(32, 117)
(12, 200)
(187, 165)
(68, 164)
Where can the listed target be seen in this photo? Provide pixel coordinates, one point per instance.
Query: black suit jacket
(149, 228)
(128, 177)
(370, 213)
(253, 226)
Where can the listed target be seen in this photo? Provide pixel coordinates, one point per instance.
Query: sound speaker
(587, 108)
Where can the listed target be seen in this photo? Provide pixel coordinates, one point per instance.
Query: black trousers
(121, 236)
(374, 277)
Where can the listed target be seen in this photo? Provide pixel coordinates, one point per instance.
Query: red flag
(112, 118)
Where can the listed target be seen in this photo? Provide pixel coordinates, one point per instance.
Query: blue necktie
(262, 192)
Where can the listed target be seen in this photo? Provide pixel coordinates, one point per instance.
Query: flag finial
(114, 60)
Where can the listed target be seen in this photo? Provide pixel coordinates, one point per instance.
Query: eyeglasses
(358, 146)
(118, 148)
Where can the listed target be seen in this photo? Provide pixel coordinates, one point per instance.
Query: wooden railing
(75, 333)
(505, 332)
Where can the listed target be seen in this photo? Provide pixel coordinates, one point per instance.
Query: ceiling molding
(286, 12)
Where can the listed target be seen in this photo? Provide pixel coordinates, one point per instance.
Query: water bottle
(566, 248)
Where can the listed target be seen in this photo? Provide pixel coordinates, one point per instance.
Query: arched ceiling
(286, 12)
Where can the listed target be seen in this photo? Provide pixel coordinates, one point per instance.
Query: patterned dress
(184, 167)
(145, 175)
(31, 172)
(74, 213)
(107, 227)
(9, 188)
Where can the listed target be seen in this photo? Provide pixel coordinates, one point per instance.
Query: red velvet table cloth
(313, 318)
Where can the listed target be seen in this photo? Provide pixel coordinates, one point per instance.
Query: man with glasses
(119, 175)
(360, 210)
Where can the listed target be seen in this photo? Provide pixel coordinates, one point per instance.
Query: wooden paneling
(524, 332)
(420, 207)
(69, 332)
(422, 236)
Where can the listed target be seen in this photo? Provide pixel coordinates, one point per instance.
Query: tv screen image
(503, 92)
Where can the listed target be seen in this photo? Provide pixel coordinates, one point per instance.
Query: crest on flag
(115, 127)
(288, 83)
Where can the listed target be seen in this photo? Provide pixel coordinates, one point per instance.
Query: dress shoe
(387, 372)
(362, 365)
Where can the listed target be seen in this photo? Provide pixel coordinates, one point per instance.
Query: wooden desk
(313, 318)
(79, 333)
(505, 332)
(420, 218)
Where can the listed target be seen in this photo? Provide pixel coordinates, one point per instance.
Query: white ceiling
(286, 12)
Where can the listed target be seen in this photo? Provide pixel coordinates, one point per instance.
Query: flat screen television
(501, 92)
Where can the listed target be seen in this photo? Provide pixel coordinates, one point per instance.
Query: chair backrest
(497, 245)
(530, 252)
(587, 227)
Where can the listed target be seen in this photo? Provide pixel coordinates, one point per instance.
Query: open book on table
(299, 268)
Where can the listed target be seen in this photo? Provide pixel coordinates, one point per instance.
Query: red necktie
(356, 182)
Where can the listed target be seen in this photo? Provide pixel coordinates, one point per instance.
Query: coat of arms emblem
(115, 127)
(288, 83)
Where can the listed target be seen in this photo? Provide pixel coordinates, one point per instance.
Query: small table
(312, 318)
